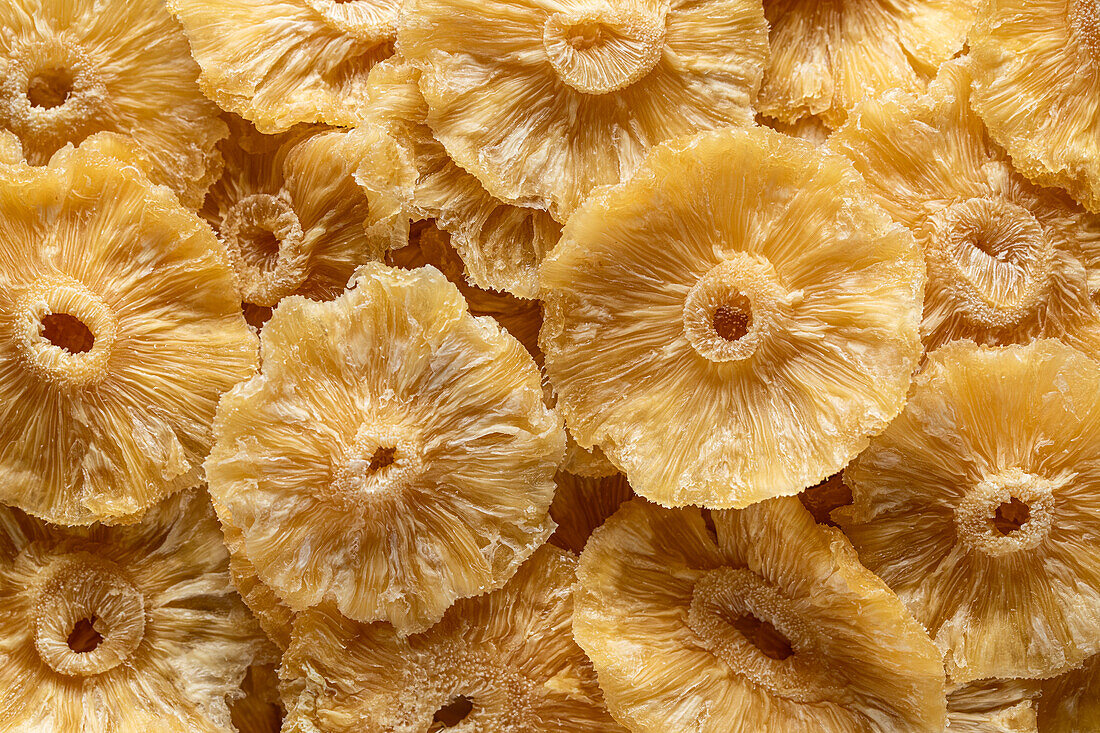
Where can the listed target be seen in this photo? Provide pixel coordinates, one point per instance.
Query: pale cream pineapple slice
(749, 620)
(280, 64)
(260, 710)
(74, 69)
(293, 219)
(119, 330)
(1008, 261)
(393, 455)
(980, 507)
(547, 99)
(1071, 702)
(734, 322)
(123, 629)
(829, 55)
(993, 706)
(581, 504)
(504, 662)
(274, 616)
(1037, 85)
(501, 245)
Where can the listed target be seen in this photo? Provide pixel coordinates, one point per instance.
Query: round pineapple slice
(544, 100)
(992, 706)
(734, 322)
(280, 64)
(292, 216)
(504, 662)
(260, 709)
(1036, 81)
(501, 245)
(980, 507)
(124, 629)
(827, 56)
(70, 70)
(748, 620)
(119, 330)
(392, 456)
(581, 504)
(1007, 261)
(1071, 702)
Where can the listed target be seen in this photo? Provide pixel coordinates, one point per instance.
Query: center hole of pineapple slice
(264, 240)
(760, 633)
(992, 257)
(50, 87)
(67, 332)
(1007, 512)
(1011, 516)
(453, 713)
(84, 637)
(378, 461)
(1084, 19)
(597, 51)
(733, 320)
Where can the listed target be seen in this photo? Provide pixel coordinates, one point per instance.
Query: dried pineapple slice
(992, 706)
(274, 616)
(734, 322)
(260, 710)
(280, 64)
(758, 620)
(505, 662)
(829, 55)
(1071, 702)
(1007, 261)
(1036, 83)
(292, 216)
(978, 505)
(581, 504)
(119, 331)
(544, 100)
(124, 629)
(72, 69)
(501, 245)
(392, 456)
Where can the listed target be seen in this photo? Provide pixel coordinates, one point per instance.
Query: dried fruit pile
(566, 366)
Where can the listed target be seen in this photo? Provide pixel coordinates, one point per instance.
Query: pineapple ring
(977, 504)
(263, 237)
(597, 51)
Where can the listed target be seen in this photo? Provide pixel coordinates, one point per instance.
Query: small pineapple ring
(266, 277)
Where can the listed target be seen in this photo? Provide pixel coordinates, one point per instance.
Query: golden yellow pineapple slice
(734, 322)
(829, 55)
(501, 245)
(1071, 702)
(992, 706)
(279, 64)
(125, 629)
(119, 330)
(274, 616)
(504, 662)
(72, 69)
(544, 100)
(260, 710)
(1036, 81)
(977, 504)
(581, 504)
(291, 215)
(749, 620)
(1008, 261)
(392, 456)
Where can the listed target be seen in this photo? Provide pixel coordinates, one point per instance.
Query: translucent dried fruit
(1071, 702)
(291, 215)
(749, 620)
(829, 55)
(504, 662)
(586, 462)
(978, 505)
(119, 330)
(1007, 261)
(274, 616)
(260, 710)
(279, 64)
(125, 629)
(71, 70)
(547, 99)
(992, 706)
(1036, 80)
(501, 245)
(734, 322)
(392, 456)
(582, 504)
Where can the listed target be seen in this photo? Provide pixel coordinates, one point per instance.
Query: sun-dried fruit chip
(734, 322)
(992, 706)
(544, 100)
(260, 710)
(827, 56)
(274, 616)
(119, 330)
(979, 506)
(756, 620)
(70, 70)
(293, 219)
(1036, 81)
(1071, 702)
(581, 504)
(1007, 261)
(128, 629)
(393, 455)
(504, 662)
